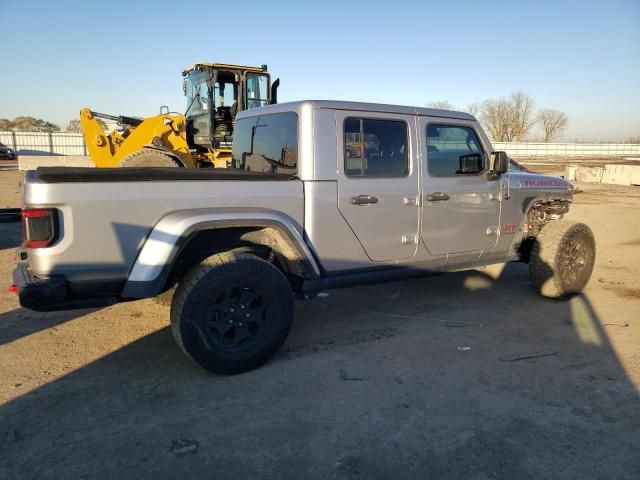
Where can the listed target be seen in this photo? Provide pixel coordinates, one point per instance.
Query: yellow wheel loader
(201, 137)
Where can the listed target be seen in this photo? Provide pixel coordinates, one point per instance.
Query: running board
(311, 287)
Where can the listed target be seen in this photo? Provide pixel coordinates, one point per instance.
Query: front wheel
(562, 258)
(232, 312)
(148, 157)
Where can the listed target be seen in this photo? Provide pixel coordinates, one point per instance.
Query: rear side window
(375, 148)
(453, 150)
(266, 143)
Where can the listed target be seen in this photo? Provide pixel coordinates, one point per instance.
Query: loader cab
(215, 94)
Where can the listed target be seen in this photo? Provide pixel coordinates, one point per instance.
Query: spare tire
(148, 157)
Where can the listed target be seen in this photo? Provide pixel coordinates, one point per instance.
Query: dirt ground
(412, 379)
(10, 179)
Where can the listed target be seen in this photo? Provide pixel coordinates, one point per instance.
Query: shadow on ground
(21, 322)
(404, 380)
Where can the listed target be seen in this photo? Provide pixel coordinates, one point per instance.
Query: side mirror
(470, 164)
(499, 164)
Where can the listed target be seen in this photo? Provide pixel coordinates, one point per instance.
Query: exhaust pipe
(274, 91)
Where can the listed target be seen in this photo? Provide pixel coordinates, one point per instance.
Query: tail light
(39, 227)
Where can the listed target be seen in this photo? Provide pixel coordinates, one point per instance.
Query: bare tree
(507, 119)
(634, 140)
(522, 116)
(553, 122)
(440, 104)
(474, 109)
(495, 116)
(74, 126)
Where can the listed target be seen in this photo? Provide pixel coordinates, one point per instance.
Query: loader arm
(100, 149)
(164, 132)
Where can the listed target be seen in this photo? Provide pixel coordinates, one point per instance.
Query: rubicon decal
(544, 183)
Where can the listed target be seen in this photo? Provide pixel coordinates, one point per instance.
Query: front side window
(375, 148)
(266, 143)
(453, 150)
(197, 94)
(257, 95)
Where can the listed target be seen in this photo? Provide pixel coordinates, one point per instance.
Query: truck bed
(105, 215)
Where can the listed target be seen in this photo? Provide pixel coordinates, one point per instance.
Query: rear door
(378, 182)
(461, 210)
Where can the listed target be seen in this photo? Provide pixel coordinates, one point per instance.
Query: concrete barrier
(574, 173)
(570, 172)
(589, 175)
(618, 174)
(610, 174)
(31, 162)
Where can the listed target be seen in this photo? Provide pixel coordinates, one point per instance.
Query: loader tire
(562, 258)
(148, 158)
(232, 312)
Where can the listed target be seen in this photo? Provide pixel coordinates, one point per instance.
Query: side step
(365, 277)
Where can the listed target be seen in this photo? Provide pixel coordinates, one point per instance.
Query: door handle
(436, 197)
(363, 200)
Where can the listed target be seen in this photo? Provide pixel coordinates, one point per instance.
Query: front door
(378, 182)
(461, 210)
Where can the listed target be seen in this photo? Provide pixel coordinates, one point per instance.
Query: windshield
(257, 86)
(197, 94)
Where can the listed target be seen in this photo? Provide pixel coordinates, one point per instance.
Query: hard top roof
(357, 106)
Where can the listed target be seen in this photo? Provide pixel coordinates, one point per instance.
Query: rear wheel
(562, 258)
(232, 312)
(148, 157)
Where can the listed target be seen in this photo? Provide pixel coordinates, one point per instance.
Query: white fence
(66, 143)
(44, 143)
(567, 149)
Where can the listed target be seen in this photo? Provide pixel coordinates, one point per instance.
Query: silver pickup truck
(323, 194)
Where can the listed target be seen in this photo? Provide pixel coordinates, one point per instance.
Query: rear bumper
(44, 295)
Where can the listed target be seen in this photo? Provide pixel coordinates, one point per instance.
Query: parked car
(7, 153)
(310, 206)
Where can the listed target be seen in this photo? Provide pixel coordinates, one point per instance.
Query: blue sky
(581, 57)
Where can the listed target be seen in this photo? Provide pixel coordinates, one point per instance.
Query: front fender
(165, 242)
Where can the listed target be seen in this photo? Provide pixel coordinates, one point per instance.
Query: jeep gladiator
(322, 194)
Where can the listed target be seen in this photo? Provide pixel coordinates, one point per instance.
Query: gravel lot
(412, 379)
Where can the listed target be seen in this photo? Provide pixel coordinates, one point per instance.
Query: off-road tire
(221, 284)
(147, 157)
(562, 258)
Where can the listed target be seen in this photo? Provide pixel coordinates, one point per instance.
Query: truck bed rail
(93, 175)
